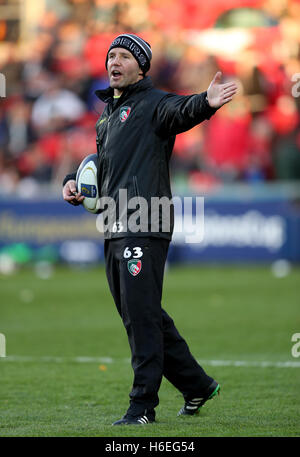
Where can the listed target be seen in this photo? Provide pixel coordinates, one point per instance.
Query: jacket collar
(106, 95)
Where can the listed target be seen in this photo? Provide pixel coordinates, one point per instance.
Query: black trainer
(193, 406)
(142, 419)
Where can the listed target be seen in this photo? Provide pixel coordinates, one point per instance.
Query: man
(135, 138)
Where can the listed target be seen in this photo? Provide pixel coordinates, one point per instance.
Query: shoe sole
(131, 423)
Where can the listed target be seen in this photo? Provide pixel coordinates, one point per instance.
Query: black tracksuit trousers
(135, 270)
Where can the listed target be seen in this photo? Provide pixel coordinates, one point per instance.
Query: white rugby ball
(87, 183)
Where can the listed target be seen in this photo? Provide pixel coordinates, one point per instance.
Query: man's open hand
(218, 94)
(70, 193)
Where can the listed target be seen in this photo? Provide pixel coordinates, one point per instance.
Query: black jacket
(135, 139)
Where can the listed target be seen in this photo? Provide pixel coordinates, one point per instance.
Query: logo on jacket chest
(124, 113)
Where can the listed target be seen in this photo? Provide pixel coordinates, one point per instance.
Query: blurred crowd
(48, 116)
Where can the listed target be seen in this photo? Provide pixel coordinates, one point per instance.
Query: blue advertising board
(244, 231)
(53, 223)
(250, 231)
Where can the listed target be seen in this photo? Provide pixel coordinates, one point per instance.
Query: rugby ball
(87, 183)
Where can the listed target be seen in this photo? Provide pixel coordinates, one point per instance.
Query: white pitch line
(109, 360)
(79, 359)
(247, 363)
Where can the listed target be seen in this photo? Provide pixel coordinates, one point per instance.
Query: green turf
(225, 313)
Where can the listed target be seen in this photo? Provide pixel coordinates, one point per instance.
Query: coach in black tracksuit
(135, 137)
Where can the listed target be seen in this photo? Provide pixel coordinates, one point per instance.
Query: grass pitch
(67, 371)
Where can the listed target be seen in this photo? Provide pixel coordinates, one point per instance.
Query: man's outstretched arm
(178, 113)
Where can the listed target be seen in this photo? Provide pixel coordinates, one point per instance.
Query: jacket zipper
(135, 186)
(105, 152)
(136, 191)
(107, 132)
